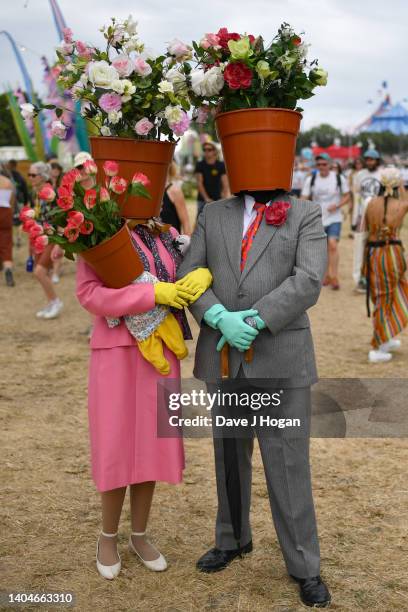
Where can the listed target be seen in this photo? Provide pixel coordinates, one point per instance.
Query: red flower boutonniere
(277, 213)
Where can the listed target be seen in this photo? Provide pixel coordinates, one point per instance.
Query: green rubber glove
(260, 323)
(212, 315)
(235, 331)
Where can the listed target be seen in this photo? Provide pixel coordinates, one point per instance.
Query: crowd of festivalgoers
(347, 193)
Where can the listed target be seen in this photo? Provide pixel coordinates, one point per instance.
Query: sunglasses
(324, 165)
(207, 149)
(31, 175)
(80, 167)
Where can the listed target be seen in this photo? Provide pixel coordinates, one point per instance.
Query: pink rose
(141, 178)
(118, 185)
(47, 193)
(58, 129)
(66, 48)
(104, 195)
(277, 213)
(35, 230)
(181, 126)
(177, 48)
(142, 67)
(75, 218)
(65, 203)
(39, 243)
(90, 167)
(83, 50)
(111, 168)
(110, 102)
(143, 126)
(70, 178)
(210, 40)
(28, 224)
(86, 227)
(71, 232)
(67, 33)
(123, 64)
(90, 198)
(26, 213)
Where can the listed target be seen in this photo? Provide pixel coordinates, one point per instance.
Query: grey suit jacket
(281, 279)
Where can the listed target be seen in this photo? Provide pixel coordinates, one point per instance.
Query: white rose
(27, 110)
(178, 79)
(114, 117)
(165, 87)
(84, 78)
(208, 83)
(173, 114)
(101, 74)
(105, 131)
(130, 26)
(118, 86)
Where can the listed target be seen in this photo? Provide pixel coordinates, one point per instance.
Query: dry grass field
(50, 510)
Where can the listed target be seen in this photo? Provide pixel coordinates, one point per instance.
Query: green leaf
(58, 112)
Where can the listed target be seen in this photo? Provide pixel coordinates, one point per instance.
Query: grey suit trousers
(285, 457)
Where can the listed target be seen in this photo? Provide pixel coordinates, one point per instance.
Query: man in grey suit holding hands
(267, 254)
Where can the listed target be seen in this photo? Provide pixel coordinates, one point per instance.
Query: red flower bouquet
(277, 213)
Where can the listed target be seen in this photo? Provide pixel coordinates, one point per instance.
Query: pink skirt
(122, 410)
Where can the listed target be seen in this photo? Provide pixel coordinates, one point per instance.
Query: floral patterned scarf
(161, 272)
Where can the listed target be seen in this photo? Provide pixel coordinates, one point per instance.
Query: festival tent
(339, 152)
(394, 120)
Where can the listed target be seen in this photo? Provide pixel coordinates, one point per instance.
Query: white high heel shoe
(157, 565)
(108, 571)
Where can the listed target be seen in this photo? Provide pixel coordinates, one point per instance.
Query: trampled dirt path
(50, 511)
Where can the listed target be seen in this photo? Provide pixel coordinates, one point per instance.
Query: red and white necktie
(250, 233)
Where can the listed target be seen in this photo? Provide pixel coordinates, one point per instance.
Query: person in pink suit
(122, 397)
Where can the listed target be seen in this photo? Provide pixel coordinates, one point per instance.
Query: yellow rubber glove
(171, 294)
(196, 282)
(170, 333)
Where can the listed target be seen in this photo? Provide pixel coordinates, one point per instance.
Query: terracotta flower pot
(116, 260)
(152, 157)
(258, 145)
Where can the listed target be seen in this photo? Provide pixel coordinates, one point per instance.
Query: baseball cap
(372, 153)
(324, 156)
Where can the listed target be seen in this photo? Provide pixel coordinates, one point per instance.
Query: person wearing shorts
(331, 191)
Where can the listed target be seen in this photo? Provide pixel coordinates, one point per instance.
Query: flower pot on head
(259, 147)
(115, 261)
(151, 157)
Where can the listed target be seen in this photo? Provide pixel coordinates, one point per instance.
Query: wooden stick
(225, 361)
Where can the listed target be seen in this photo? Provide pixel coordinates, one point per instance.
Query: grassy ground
(50, 511)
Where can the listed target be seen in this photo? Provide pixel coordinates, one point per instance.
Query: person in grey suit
(261, 302)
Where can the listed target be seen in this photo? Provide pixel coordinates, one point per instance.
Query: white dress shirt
(249, 212)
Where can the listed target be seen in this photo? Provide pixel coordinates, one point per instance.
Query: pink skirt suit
(122, 386)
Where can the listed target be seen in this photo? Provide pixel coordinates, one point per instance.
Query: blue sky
(360, 43)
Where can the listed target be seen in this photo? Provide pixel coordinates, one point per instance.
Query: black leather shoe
(313, 592)
(216, 559)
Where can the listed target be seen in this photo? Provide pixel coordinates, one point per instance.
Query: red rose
(224, 36)
(238, 75)
(296, 40)
(277, 213)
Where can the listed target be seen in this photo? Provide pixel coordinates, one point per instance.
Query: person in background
(56, 174)
(358, 165)
(7, 203)
(174, 209)
(212, 182)
(298, 179)
(87, 181)
(39, 175)
(385, 266)
(368, 185)
(22, 196)
(55, 180)
(331, 191)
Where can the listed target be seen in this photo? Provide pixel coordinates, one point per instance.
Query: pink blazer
(104, 302)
